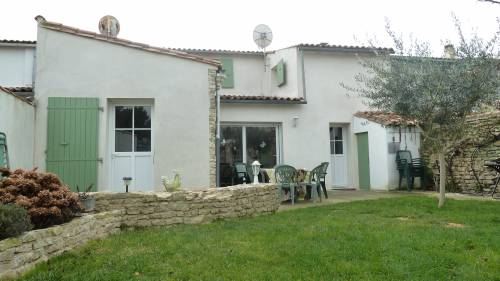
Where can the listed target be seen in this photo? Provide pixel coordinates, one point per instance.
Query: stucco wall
(248, 72)
(308, 144)
(72, 66)
(17, 121)
(16, 66)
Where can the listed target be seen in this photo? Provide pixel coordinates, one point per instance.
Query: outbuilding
(109, 108)
(379, 135)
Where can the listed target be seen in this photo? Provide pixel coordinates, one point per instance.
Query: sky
(222, 24)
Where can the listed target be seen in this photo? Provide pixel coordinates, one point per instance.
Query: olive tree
(437, 92)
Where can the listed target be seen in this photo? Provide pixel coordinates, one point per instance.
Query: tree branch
(490, 1)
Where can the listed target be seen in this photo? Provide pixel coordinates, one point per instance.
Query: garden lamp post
(255, 170)
(127, 181)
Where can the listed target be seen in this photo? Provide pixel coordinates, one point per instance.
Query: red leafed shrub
(47, 200)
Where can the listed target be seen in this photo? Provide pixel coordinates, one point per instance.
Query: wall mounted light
(295, 120)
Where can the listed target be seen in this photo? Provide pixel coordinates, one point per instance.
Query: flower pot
(88, 204)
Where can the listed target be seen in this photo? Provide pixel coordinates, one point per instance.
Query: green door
(363, 161)
(72, 133)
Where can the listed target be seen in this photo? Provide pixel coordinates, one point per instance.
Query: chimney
(449, 51)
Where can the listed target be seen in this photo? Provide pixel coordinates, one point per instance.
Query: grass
(405, 238)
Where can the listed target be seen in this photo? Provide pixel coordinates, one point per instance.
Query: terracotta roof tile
(217, 51)
(92, 35)
(6, 41)
(271, 99)
(345, 47)
(7, 91)
(385, 118)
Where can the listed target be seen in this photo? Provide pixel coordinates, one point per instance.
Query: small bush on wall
(14, 220)
(47, 200)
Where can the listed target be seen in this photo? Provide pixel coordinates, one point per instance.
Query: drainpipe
(219, 74)
(301, 54)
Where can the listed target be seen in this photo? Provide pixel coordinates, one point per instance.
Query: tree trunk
(442, 178)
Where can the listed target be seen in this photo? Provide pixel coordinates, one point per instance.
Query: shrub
(47, 200)
(14, 220)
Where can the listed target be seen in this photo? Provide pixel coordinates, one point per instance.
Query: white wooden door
(132, 147)
(338, 156)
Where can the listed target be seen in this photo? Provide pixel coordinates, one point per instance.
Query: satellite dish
(262, 36)
(109, 26)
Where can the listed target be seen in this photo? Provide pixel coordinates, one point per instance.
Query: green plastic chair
(322, 177)
(314, 182)
(409, 168)
(285, 179)
(240, 173)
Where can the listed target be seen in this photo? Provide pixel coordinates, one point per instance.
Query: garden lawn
(405, 238)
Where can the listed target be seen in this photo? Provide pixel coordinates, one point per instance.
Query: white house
(284, 106)
(17, 60)
(109, 108)
(288, 106)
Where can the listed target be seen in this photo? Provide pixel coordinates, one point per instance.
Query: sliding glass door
(247, 143)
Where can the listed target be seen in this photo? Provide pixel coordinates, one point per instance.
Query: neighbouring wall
(164, 208)
(117, 210)
(484, 128)
(17, 121)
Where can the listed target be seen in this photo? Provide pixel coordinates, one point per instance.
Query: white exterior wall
(410, 140)
(16, 66)
(248, 71)
(17, 121)
(377, 152)
(250, 79)
(72, 66)
(293, 70)
(308, 144)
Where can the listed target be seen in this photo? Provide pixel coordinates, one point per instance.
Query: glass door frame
(244, 125)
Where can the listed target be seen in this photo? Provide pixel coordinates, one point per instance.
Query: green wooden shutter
(3, 150)
(227, 66)
(72, 134)
(363, 161)
(280, 70)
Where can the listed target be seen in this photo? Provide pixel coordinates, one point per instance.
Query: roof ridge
(124, 42)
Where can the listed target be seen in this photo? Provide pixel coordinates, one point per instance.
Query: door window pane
(339, 147)
(142, 140)
(123, 140)
(142, 117)
(123, 117)
(261, 146)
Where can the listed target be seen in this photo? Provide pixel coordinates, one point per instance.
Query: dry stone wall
(190, 207)
(484, 128)
(18, 254)
(116, 210)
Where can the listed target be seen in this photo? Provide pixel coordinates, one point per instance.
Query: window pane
(123, 140)
(231, 150)
(261, 146)
(123, 117)
(332, 147)
(142, 140)
(231, 145)
(339, 147)
(142, 117)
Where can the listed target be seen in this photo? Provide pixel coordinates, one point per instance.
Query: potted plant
(88, 202)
